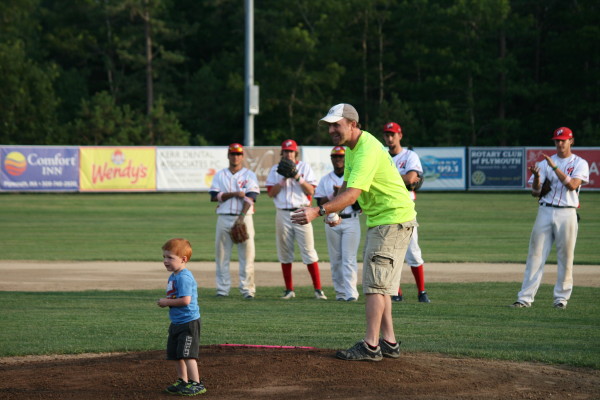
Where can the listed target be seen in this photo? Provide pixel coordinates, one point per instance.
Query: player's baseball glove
(545, 188)
(417, 185)
(287, 168)
(239, 233)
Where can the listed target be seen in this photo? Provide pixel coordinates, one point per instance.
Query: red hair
(180, 247)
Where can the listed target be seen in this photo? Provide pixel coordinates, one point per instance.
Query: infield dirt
(291, 374)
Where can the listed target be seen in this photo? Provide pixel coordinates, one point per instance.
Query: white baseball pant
(552, 225)
(342, 243)
(246, 252)
(287, 232)
(413, 253)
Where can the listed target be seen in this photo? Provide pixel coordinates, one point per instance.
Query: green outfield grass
(455, 226)
(470, 320)
(463, 319)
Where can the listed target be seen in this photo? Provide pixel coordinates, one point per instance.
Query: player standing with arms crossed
(370, 177)
(409, 166)
(556, 220)
(343, 239)
(235, 188)
(291, 184)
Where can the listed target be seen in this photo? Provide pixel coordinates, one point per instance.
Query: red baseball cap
(289, 145)
(563, 133)
(236, 148)
(392, 127)
(338, 151)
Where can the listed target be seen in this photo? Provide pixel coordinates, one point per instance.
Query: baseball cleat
(248, 296)
(351, 299)
(387, 350)
(288, 294)
(360, 352)
(560, 306)
(520, 304)
(398, 298)
(423, 297)
(320, 295)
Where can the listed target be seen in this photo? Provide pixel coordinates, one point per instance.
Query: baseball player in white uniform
(235, 189)
(556, 220)
(289, 194)
(409, 166)
(342, 239)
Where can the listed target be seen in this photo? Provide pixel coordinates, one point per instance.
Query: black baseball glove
(416, 185)
(287, 168)
(545, 188)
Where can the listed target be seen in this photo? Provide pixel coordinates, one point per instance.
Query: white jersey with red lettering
(406, 161)
(291, 195)
(574, 167)
(242, 181)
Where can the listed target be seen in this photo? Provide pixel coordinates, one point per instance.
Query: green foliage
(454, 227)
(27, 100)
(486, 73)
(470, 320)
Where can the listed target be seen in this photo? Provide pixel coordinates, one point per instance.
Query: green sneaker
(192, 389)
(174, 388)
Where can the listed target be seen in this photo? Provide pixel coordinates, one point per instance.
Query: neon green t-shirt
(384, 198)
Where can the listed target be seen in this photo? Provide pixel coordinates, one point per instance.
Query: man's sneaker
(423, 297)
(520, 304)
(352, 299)
(192, 389)
(398, 298)
(248, 296)
(320, 295)
(174, 388)
(560, 306)
(288, 294)
(360, 352)
(387, 350)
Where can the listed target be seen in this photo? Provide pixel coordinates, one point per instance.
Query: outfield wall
(190, 169)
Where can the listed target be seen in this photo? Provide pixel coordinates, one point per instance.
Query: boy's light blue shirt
(180, 285)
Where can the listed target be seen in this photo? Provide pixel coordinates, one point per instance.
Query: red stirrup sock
(419, 277)
(313, 269)
(399, 291)
(286, 268)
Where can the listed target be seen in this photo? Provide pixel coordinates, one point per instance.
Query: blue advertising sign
(44, 168)
(496, 167)
(443, 167)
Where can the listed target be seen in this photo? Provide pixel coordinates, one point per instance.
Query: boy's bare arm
(178, 302)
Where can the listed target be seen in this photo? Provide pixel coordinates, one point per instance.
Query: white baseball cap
(340, 111)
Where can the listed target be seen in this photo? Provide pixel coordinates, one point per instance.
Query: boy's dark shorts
(184, 340)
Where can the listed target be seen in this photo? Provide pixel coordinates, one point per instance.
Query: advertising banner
(260, 160)
(318, 157)
(590, 154)
(117, 168)
(188, 168)
(43, 168)
(443, 168)
(496, 167)
(193, 168)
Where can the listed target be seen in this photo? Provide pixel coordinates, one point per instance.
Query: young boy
(184, 332)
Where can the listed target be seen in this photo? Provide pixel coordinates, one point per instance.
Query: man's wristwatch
(322, 211)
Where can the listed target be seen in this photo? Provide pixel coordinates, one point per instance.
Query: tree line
(171, 72)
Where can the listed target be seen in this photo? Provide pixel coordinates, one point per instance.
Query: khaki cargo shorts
(383, 257)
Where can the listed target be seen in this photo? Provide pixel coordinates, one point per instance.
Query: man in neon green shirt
(371, 177)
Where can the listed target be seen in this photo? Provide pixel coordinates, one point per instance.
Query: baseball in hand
(333, 217)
